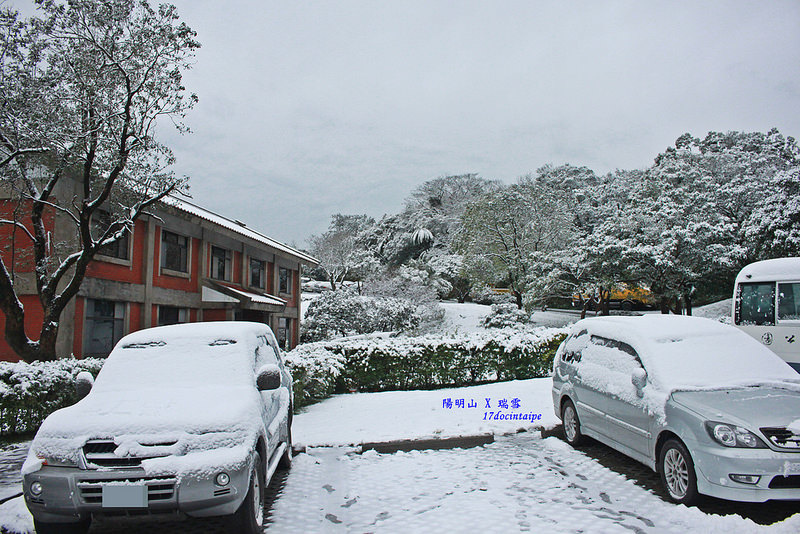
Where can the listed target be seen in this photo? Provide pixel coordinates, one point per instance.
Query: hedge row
(31, 392)
(383, 362)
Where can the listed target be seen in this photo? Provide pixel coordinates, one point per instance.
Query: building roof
(237, 227)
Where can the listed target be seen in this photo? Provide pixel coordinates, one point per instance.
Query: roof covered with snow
(236, 227)
(775, 269)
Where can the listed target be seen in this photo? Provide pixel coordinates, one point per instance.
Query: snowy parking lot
(520, 482)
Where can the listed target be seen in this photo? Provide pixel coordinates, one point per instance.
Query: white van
(766, 305)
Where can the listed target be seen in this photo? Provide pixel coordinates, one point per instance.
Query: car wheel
(249, 518)
(572, 425)
(677, 472)
(286, 460)
(80, 527)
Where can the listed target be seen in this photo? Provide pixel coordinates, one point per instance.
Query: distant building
(184, 264)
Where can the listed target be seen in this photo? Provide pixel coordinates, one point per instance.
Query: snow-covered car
(186, 420)
(702, 403)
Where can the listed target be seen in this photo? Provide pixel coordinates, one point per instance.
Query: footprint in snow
(332, 518)
(328, 488)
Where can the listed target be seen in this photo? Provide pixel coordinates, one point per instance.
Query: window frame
(779, 300)
(263, 276)
(289, 281)
(284, 333)
(101, 220)
(737, 319)
(118, 321)
(188, 254)
(227, 262)
(181, 311)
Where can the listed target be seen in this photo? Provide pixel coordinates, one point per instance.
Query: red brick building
(184, 264)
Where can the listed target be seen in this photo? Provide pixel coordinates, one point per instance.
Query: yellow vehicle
(624, 297)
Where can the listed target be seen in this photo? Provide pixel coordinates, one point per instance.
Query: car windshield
(177, 362)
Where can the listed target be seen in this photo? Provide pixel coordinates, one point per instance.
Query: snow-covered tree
(508, 231)
(82, 87)
(774, 226)
(343, 250)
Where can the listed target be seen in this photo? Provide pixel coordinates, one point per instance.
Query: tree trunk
(518, 298)
(678, 306)
(688, 302)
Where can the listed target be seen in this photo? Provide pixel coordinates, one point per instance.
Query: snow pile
(181, 393)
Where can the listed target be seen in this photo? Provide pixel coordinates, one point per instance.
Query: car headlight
(733, 436)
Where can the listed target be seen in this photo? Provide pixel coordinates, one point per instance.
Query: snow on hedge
(29, 392)
(388, 361)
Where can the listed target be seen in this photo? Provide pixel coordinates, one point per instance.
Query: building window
(285, 280)
(101, 220)
(257, 273)
(105, 324)
(220, 263)
(285, 333)
(174, 252)
(172, 315)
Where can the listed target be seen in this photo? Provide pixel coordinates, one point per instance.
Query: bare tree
(81, 89)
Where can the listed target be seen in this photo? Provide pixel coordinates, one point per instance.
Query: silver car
(183, 421)
(703, 404)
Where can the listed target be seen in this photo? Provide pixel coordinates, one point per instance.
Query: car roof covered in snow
(775, 269)
(203, 333)
(688, 352)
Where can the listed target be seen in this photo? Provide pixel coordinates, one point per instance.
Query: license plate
(125, 496)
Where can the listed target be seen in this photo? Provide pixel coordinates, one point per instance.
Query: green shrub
(386, 362)
(31, 392)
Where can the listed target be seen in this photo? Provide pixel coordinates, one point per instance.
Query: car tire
(81, 527)
(285, 462)
(678, 477)
(572, 425)
(249, 518)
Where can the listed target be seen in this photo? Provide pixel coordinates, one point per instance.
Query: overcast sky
(313, 108)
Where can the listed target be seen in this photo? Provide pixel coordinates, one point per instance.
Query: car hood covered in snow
(190, 410)
(751, 407)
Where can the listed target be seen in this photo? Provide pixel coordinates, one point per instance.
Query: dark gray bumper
(70, 494)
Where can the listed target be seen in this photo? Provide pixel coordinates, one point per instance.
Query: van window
(789, 302)
(755, 304)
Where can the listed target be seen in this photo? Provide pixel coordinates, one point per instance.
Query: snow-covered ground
(392, 415)
(521, 482)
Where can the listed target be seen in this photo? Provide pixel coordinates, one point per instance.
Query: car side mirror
(83, 384)
(269, 377)
(639, 381)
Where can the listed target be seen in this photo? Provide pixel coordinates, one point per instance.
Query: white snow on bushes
(180, 390)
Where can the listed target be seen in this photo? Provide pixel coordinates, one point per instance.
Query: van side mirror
(639, 381)
(83, 384)
(268, 378)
